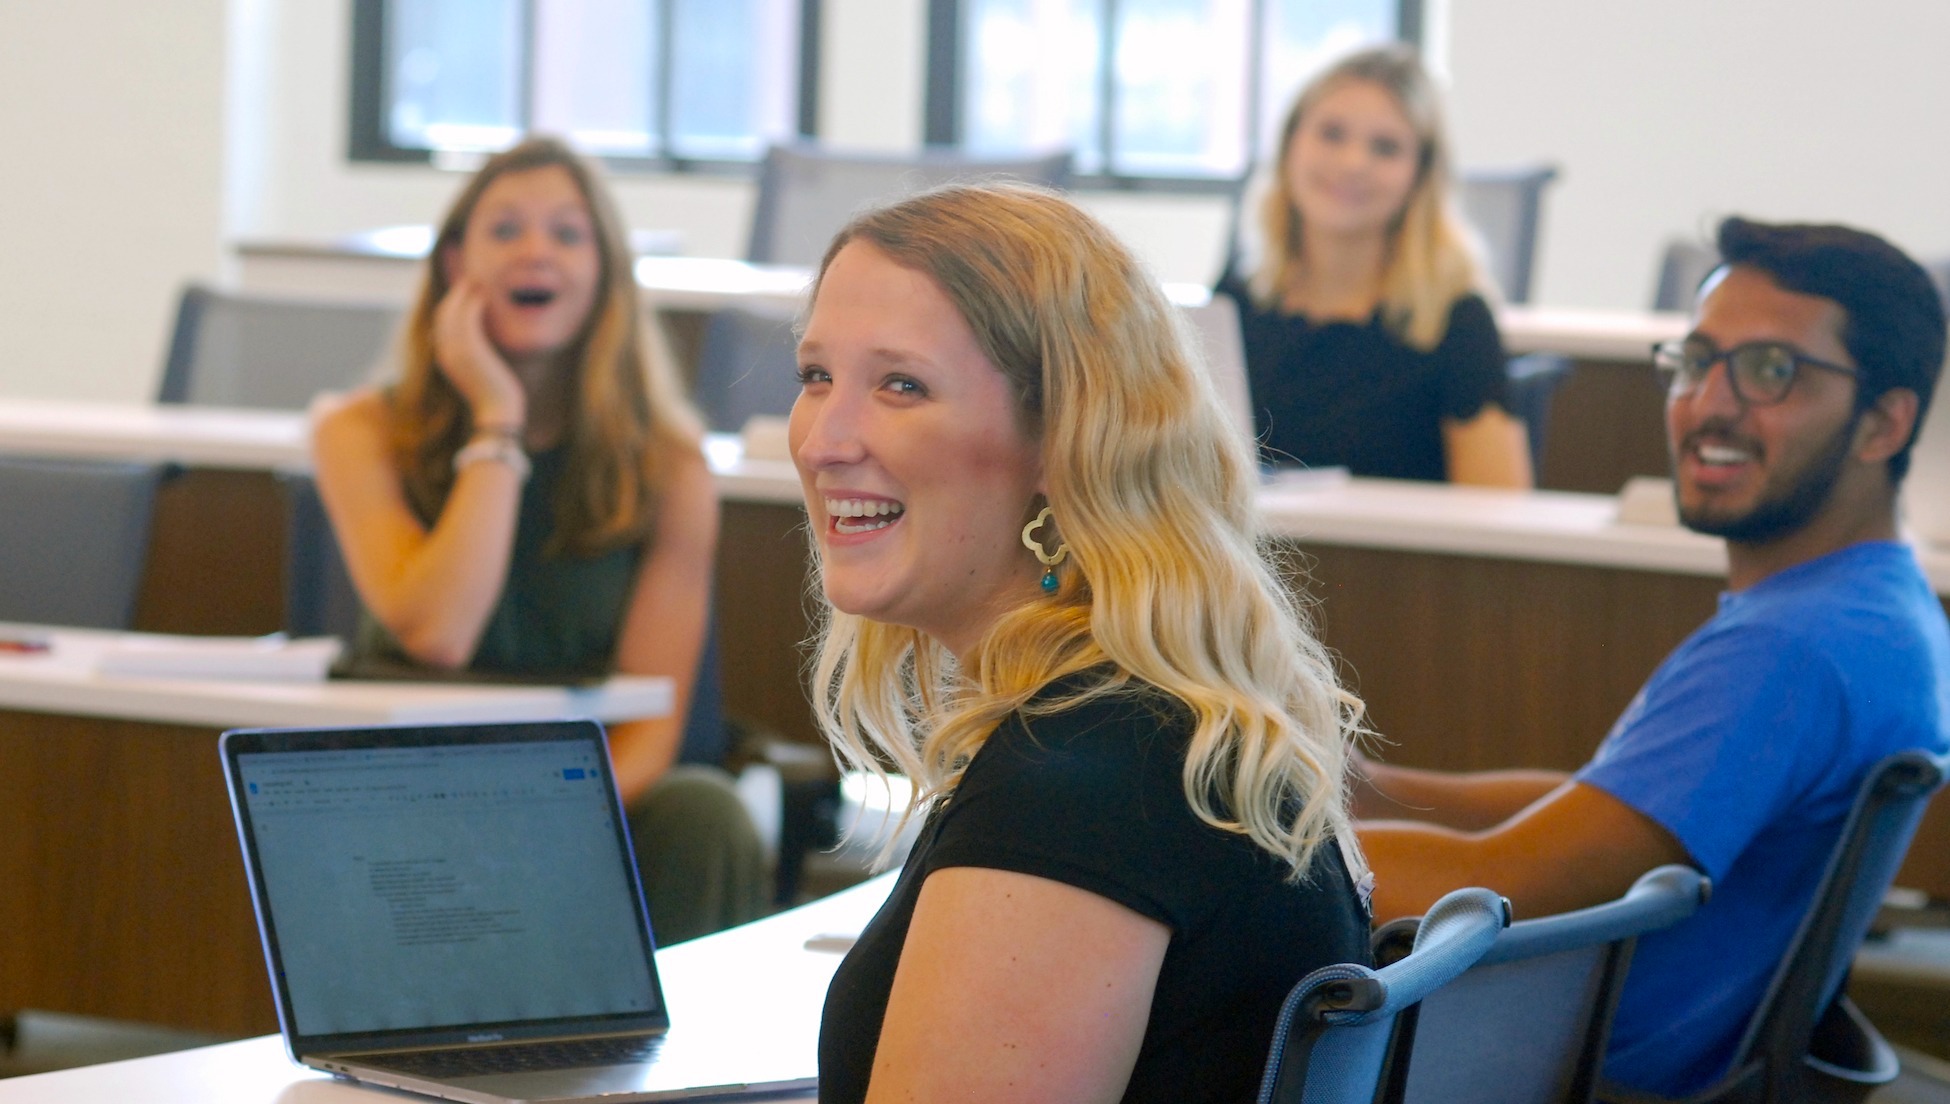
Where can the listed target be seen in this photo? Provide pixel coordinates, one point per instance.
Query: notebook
(454, 910)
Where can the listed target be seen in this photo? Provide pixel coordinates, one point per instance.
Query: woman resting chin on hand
(529, 497)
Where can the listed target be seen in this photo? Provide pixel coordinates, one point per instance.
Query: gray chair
(1528, 1024)
(1807, 1041)
(270, 352)
(1506, 207)
(1334, 1041)
(1532, 382)
(806, 192)
(747, 364)
(74, 537)
(1682, 267)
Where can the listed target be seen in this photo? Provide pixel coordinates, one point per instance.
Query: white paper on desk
(273, 658)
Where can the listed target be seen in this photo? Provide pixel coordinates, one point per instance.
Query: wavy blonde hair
(1432, 259)
(1152, 489)
(630, 420)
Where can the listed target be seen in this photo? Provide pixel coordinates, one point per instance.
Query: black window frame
(942, 112)
(368, 141)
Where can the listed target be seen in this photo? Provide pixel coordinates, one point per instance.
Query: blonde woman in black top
(1035, 529)
(1369, 343)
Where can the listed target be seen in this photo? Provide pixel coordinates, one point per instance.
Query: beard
(1782, 511)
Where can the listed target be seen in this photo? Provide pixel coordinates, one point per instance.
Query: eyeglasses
(1759, 371)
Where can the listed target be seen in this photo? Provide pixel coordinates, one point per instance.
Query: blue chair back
(1804, 995)
(1331, 1043)
(1528, 1024)
(74, 539)
(1506, 208)
(747, 364)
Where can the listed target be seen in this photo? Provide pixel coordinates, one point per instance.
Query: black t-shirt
(1352, 394)
(1094, 797)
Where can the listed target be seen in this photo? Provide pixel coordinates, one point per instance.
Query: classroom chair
(747, 365)
(270, 352)
(1529, 1022)
(807, 192)
(1532, 383)
(1506, 208)
(1332, 1041)
(1807, 1042)
(74, 539)
(1682, 267)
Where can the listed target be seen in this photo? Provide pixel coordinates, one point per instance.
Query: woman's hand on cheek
(470, 361)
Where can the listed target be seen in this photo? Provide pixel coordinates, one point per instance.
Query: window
(1191, 91)
(667, 83)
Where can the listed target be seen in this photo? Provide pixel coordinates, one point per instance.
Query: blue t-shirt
(1748, 744)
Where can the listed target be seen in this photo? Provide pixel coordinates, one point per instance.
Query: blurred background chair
(1807, 1041)
(1216, 322)
(1528, 1023)
(1532, 381)
(807, 192)
(74, 536)
(1334, 1041)
(1682, 267)
(746, 360)
(1506, 208)
(747, 365)
(270, 352)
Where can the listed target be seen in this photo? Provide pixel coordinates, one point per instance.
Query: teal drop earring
(1049, 560)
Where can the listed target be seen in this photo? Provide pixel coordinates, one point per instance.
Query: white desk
(358, 268)
(124, 892)
(63, 680)
(1542, 526)
(757, 982)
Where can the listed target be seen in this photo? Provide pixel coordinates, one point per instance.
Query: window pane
(1181, 90)
(735, 76)
(453, 68)
(1030, 78)
(1302, 36)
(592, 74)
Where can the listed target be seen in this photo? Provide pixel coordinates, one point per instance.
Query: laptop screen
(443, 878)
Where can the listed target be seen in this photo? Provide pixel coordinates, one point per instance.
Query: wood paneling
(122, 889)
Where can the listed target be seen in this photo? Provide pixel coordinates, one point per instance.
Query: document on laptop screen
(425, 887)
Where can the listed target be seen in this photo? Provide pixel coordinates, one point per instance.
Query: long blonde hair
(1432, 258)
(630, 419)
(1152, 489)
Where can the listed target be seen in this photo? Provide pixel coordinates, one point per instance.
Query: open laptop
(454, 910)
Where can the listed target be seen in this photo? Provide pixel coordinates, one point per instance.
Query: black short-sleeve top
(1093, 797)
(1352, 394)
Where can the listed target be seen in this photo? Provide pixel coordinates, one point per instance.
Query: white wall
(158, 133)
(1667, 114)
(111, 113)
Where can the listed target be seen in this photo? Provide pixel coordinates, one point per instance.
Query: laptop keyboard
(522, 1057)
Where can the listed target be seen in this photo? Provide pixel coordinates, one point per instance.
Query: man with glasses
(1791, 408)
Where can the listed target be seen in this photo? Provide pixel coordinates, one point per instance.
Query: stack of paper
(272, 658)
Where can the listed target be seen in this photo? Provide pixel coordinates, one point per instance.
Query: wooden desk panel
(216, 555)
(124, 888)
(765, 610)
(1607, 424)
(1469, 663)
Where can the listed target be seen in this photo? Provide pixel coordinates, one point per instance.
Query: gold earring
(1048, 559)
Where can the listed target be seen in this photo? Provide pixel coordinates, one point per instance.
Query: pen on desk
(23, 645)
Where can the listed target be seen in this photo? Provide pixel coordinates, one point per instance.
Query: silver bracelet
(497, 448)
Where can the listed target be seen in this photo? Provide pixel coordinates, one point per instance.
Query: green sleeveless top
(558, 615)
